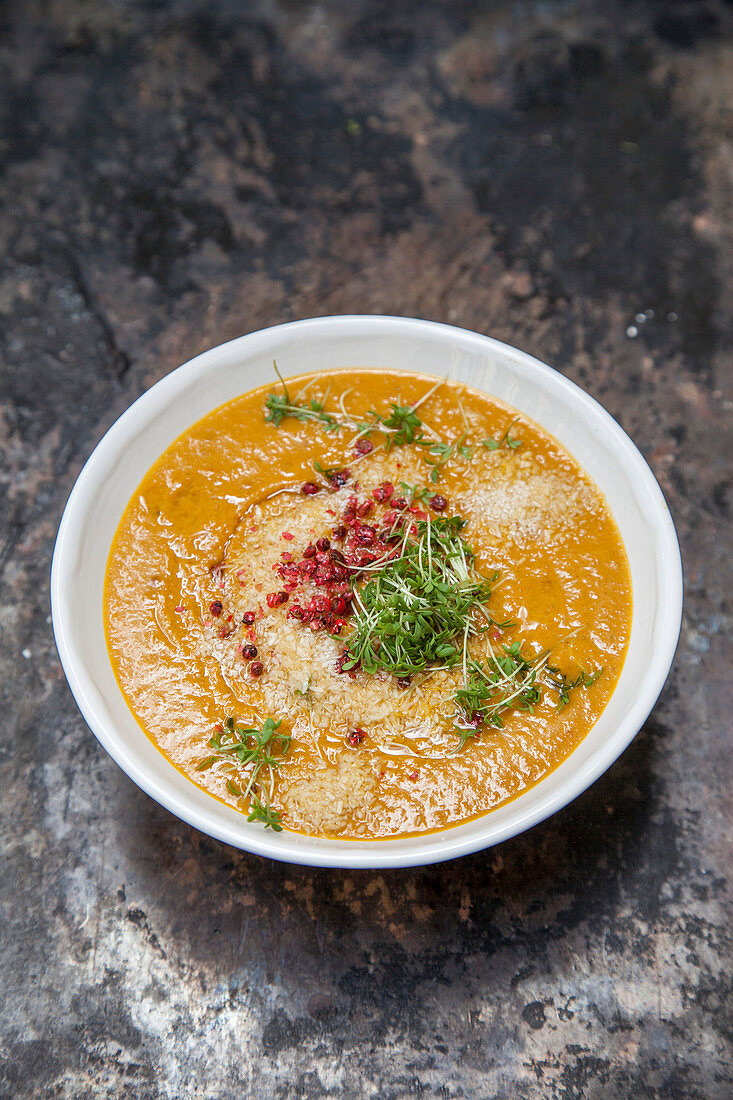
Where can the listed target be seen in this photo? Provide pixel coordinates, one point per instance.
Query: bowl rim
(446, 843)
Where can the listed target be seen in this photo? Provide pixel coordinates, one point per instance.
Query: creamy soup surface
(366, 605)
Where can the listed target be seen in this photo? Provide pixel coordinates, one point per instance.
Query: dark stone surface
(172, 175)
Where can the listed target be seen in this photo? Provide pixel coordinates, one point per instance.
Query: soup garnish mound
(364, 604)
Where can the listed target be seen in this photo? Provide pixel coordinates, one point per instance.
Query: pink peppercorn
(273, 599)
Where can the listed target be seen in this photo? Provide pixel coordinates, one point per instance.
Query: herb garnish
(257, 750)
(403, 425)
(505, 441)
(415, 493)
(281, 406)
(262, 811)
(509, 681)
(415, 608)
(278, 408)
(327, 472)
(418, 612)
(444, 452)
(420, 608)
(400, 426)
(560, 683)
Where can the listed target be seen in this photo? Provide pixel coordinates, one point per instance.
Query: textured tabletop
(557, 175)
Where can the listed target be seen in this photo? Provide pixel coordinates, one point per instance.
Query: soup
(365, 604)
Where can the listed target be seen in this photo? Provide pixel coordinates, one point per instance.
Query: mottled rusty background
(175, 174)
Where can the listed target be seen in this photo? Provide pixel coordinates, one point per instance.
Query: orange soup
(365, 604)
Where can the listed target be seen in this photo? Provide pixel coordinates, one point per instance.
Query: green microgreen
(415, 493)
(402, 424)
(506, 440)
(325, 471)
(262, 811)
(280, 406)
(440, 453)
(563, 685)
(255, 753)
(418, 612)
(413, 610)
(401, 427)
(507, 682)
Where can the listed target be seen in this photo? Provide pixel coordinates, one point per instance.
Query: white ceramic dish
(137, 439)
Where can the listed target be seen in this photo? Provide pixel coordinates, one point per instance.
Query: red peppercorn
(438, 503)
(273, 599)
(339, 478)
(248, 618)
(343, 658)
(323, 544)
(366, 535)
(310, 551)
(309, 488)
(399, 502)
(356, 737)
(249, 652)
(256, 668)
(295, 612)
(384, 491)
(364, 446)
(216, 608)
(364, 509)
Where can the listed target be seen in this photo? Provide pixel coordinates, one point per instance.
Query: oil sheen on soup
(366, 604)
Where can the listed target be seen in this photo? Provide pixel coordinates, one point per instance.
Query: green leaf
(506, 440)
(249, 750)
(202, 767)
(260, 811)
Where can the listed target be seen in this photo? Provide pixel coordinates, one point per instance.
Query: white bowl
(138, 438)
